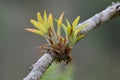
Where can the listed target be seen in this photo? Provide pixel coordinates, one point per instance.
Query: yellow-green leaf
(68, 27)
(50, 19)
(35, 31)
(39, 26)
(39, 17)
(60, 19)
(68, 23)
(75, 40)
(79, 29)
(75, 22)
(65, 29)
(79, 38)
(45, 19)
(59, 24)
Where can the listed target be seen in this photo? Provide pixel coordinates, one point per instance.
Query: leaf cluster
(59, 44)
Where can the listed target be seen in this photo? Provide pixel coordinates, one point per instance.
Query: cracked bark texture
(46, 60)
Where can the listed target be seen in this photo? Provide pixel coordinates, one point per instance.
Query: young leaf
(59, 24)
(39, 18)
(35, 31)
(80, 28)
(68, 27)
(45, 19)
(39, 26)
(75, 22)
(60, 19)
(50, 19)
(74, 41)
(79, 38)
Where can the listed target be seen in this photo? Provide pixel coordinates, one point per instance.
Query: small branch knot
(118, 7)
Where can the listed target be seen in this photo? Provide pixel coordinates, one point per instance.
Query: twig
(46, 60)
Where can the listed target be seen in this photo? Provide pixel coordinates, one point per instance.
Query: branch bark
(46, 60)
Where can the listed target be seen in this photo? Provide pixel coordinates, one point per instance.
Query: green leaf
(79, 29)
(79, 38)
(75, 22)
(68, 28)
(64, 27)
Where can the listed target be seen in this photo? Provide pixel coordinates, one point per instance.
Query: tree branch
(46, 60)
(40, 67)
(106, 15)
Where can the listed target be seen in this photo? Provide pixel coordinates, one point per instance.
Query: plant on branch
(60, 45)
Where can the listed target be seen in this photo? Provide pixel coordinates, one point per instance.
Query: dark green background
(96, 57)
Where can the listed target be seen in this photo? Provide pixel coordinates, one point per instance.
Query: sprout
(56, 42)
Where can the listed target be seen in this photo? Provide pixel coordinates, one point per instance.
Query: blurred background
(96, 57)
